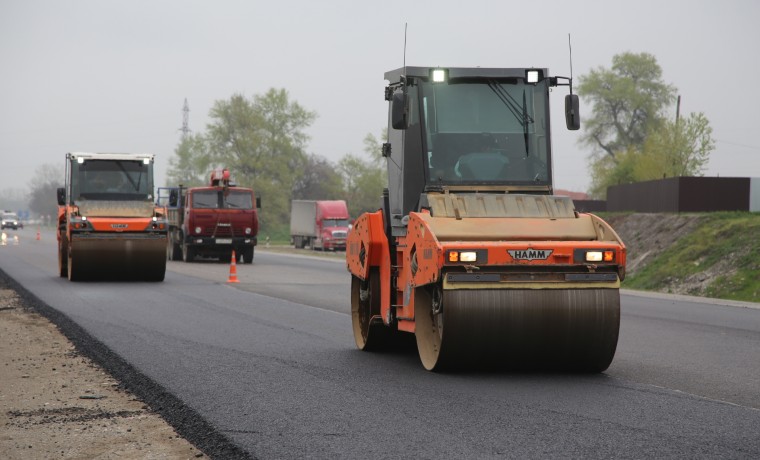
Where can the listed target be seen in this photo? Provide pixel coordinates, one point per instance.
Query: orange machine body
(521, 262)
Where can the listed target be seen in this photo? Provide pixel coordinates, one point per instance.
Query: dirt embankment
(706, 255)
(648, 235)
(55, 403)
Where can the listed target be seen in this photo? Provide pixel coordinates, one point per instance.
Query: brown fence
(682, 194)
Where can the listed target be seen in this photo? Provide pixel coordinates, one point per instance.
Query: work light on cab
(439, 75)
(532, 76)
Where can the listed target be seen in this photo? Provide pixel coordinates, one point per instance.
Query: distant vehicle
(108, 225)
(11, 220)
(319, 224)
(212, 220)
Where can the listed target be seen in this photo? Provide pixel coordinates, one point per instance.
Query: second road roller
(470, 250)
(108, 225)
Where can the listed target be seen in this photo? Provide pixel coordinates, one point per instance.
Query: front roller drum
(552, 329)
(117, 259)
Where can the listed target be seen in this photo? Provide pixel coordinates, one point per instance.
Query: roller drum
(568, 329)
(122, 258)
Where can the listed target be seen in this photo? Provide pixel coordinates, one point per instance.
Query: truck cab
(211, 221)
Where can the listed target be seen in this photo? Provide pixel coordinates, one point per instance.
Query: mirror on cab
(398, 110)
(572, 115)
(61, 194)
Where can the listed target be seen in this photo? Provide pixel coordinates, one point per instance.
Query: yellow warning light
(453, 256)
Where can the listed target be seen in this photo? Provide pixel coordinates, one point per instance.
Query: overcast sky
(112, 76)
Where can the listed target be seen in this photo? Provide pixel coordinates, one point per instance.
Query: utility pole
(185, 120)
(678, 108)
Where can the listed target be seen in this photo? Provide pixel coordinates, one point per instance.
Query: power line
(755, 147)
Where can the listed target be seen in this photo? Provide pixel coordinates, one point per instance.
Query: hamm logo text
(530, 254)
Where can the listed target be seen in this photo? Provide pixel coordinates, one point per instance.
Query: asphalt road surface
(270, 364)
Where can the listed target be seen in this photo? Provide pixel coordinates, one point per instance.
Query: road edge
(185, 420)
(689, 298)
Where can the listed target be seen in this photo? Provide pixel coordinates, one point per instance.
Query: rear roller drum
(560, 329)
(63, 257)
(370, 333)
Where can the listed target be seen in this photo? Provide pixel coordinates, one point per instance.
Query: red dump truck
(211, 221)
(319, 224)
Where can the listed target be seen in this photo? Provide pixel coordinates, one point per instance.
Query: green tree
(42, 189)
(261, 141)
(319, 180)
(364, 179)
(628, 102)
(677, 148)
(190, 164)
(629, 131)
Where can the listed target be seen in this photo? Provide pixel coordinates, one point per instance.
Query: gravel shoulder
(56, 403)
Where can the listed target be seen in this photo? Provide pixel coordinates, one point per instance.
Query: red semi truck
(211, 221)
(319, 224)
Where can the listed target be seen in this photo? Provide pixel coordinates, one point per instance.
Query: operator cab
(469, 130)
(107, 177)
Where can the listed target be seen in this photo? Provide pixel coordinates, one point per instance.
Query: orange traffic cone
(38, 233)
(233, 270)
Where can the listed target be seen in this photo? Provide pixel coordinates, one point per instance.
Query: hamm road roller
(470, 250)
(108, 226)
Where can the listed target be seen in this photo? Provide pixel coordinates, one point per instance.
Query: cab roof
(394, 76)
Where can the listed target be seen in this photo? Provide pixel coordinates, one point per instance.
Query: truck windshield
(486, 131)
(335, 223)
(216, 199)
(112, 180)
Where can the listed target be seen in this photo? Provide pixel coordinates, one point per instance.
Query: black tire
(173, 251)
(248, 255)
(370, 333)
(63, 256)
(188, 253)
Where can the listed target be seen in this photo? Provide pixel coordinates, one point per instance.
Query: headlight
(469, 256)
(197, 229)
(248, 230)
(600, 256)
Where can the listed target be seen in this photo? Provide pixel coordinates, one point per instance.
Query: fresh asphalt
(267, 368)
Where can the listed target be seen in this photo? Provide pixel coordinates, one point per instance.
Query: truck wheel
(188, 253)
(173, 251)
(248, 255)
